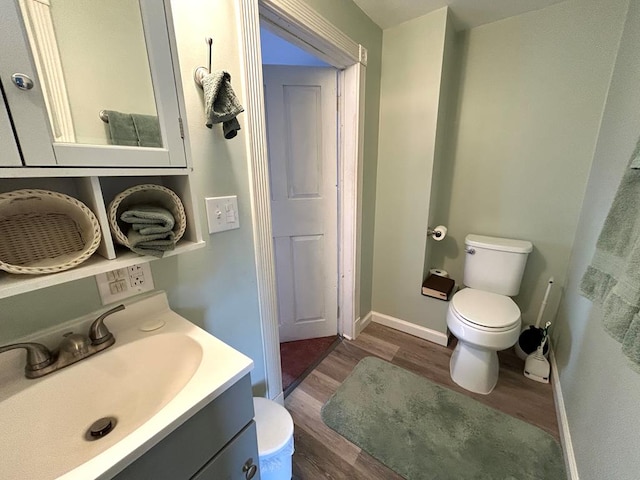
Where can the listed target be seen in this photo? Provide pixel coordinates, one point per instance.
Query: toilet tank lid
(496, 243)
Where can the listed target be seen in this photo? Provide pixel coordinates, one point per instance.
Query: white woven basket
(147, 194)
(45, 232)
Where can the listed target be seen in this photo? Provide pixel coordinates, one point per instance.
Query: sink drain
(100, 428)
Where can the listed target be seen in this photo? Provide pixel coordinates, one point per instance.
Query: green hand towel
(122, 131)
(149, 220)
(154, 245)
(147, 129)
(613, 278)
(220, 103)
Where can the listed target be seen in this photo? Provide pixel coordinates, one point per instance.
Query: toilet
(482, 316)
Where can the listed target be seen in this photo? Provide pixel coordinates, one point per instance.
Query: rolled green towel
(154, 245)
(149, 220)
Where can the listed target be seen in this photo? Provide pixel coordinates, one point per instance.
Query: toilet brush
(532, 337)
(536, 367)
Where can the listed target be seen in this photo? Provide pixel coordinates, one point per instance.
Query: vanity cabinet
(64, 65)
(217, 443)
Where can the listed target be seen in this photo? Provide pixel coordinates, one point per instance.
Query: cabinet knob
(22, 81)
(249, 469)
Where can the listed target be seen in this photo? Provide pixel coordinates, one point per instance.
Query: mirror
(92, 61)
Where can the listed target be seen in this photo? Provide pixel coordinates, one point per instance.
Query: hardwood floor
(322, 453)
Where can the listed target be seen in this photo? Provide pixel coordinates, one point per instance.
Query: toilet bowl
(484, 323)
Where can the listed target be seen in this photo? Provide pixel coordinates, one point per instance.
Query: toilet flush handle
(470, 250)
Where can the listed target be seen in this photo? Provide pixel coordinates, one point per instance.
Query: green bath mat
(424, 431)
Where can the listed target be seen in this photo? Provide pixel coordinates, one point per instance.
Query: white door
(301, 104)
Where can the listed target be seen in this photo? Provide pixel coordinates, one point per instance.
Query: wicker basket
(148, 194)
(45, 232)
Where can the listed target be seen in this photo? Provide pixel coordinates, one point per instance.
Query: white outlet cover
(124, 282)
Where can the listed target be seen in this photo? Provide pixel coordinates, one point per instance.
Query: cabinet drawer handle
(249, 469)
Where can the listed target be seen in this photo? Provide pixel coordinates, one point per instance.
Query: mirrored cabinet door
(91, 83)
(9, 155)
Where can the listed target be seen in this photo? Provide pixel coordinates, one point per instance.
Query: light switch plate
(222, 213)
(124, 282)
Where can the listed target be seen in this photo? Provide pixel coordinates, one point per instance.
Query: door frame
(299, 24)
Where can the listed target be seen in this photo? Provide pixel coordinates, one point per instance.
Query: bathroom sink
(146, 385)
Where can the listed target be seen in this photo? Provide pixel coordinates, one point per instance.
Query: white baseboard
(361, 323)
(565, 434)
(411, 328)
(279, 399)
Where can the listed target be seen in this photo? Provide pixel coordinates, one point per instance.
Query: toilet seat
(485, 310)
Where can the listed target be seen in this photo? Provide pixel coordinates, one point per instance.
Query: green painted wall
(345, 15)
(412, 63)
(600, 390)
(530, 103)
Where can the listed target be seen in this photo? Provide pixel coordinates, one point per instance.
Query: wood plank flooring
(321, 453)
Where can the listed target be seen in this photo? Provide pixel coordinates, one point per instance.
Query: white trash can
(275, 439)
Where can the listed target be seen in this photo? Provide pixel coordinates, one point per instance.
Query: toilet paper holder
(437, 232)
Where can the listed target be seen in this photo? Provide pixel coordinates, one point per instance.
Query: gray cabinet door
(237, 461)
(183, 453)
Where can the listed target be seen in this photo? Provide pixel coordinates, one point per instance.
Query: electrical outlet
(124, 282)
(136, 276)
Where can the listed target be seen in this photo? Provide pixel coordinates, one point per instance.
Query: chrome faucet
(73, 348)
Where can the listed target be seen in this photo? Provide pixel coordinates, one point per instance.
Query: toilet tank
(495, 264)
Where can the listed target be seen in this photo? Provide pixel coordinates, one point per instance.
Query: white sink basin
(150, 382)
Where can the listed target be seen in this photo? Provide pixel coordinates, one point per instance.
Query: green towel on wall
(220, 103)
(613, 278)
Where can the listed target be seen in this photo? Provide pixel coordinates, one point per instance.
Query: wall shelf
(11, 284)
(96, 192)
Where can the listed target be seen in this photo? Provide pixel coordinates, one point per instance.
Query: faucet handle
(38, 356)
(98, 331)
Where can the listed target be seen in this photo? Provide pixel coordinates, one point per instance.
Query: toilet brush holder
(528, 342)
(531, 337)
(536, 367)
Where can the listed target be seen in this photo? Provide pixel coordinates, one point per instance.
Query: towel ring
(200, 72)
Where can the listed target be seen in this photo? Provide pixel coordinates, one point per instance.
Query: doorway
(302, 26)
(301, 93)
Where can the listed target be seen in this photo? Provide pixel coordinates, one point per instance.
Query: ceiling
(466, 13)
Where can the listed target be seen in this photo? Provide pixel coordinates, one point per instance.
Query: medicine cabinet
(66, 65)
